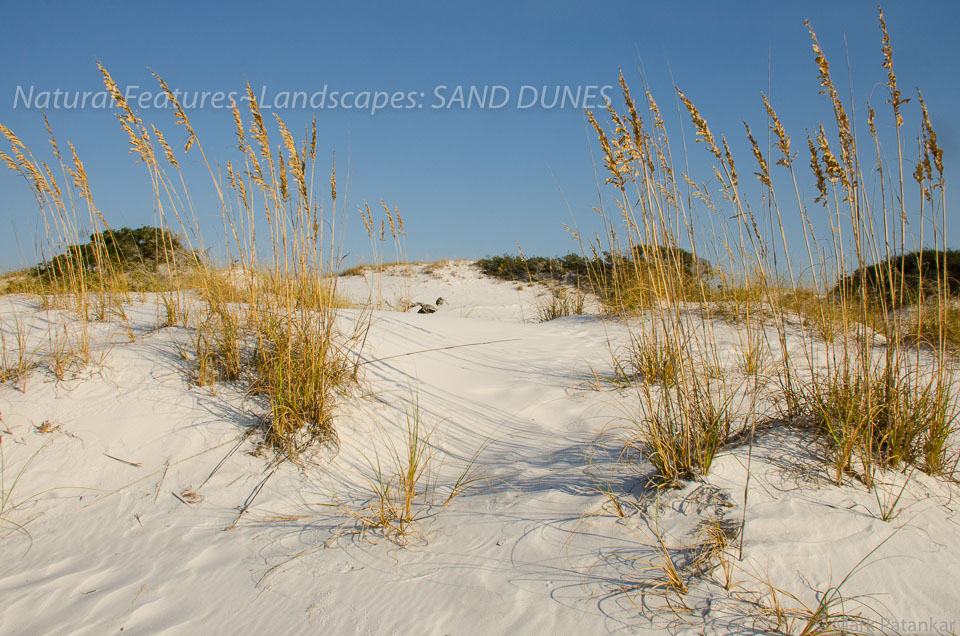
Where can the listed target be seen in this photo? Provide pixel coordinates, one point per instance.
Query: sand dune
(126, 513)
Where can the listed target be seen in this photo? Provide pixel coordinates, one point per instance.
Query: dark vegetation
(905, 279)
(142, 257)
(574, 268)
(536, 268)
(146, 248)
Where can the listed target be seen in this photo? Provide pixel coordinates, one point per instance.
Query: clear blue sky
(469, 182)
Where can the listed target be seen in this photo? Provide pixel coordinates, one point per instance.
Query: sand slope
(536, 547)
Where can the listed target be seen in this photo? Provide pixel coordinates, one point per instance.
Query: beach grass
(853, 367)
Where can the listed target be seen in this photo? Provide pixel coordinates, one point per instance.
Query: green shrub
(535, 268)
(137, 256)
(574, 268)
(919, 273)
(145, 247)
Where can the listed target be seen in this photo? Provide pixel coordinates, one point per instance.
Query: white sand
(535, 548)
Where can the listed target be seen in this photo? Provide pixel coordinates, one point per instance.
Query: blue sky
(469, 182)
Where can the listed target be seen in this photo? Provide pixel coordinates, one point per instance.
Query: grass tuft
(405, 487)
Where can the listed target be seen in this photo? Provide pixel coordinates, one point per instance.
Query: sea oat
(167, 151)
(895, 100)
(764, 174)
(703, 131)
(179, 114)
(818, 172)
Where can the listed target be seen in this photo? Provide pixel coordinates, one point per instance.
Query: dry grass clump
(654, 276)
(298, 359)
(894, 404)
(434, 268)
(560, 302)
(833, 612)
(875, 420)
(832, 616)
(275, 324)
(405, 485)
(684, 422)
(752, 355)
(671, 571)
(301, 364)
(681, 432)
(659, 569)
(936, 325)
(686, 413)
(380, 267)
(669, 576)
(277, 328)
(54, 346)
(401, 495)
(15, 366)
(714, 548)
(654, 357)
(221, 343)
(822, 316)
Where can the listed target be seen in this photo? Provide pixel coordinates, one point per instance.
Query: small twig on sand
(104, 496)
(123, 461)
(225, 458)
(160, 482)
(249, 501)
(746, 491)
(459, 346)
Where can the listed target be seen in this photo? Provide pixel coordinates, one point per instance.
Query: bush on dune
(137, 255)
(574, 268)
(905, 279)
